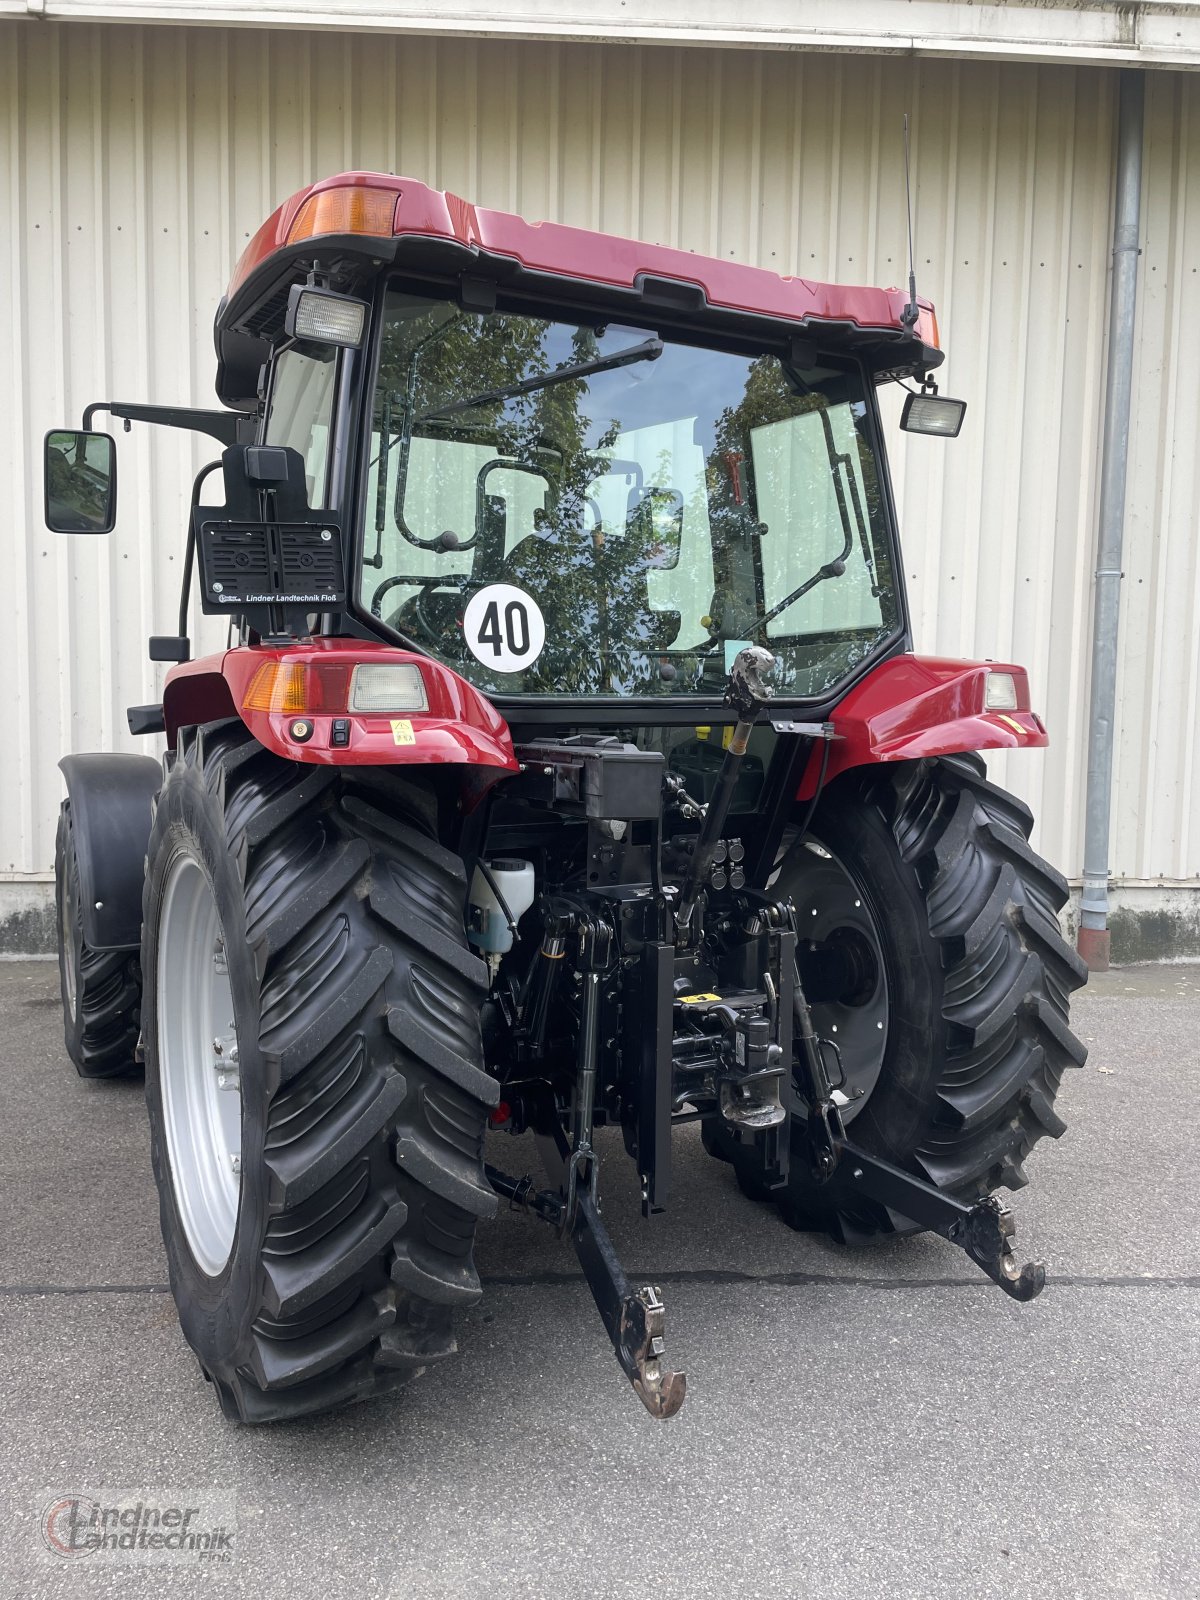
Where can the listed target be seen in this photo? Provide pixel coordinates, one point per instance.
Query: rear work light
(310, 688)
(388, 686)
(320, 316)
(933, 413)
(1001, 692)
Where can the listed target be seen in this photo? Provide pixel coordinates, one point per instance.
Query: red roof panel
(578, 253)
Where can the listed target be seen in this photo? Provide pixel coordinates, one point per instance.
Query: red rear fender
(457, 724)
(915, 706)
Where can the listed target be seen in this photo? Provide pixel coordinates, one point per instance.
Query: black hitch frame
(587, 929)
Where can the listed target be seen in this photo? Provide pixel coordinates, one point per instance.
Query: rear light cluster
(314, 688)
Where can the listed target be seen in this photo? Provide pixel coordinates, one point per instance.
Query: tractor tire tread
(983, 921)
(374, 1097)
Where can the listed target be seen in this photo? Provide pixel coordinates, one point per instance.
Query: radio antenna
(911, 311)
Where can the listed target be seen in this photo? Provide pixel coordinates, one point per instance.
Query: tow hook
(641, 1349)
(985, 1234)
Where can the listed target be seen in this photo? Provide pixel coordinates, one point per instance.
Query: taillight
(296, 687)
(310, 688)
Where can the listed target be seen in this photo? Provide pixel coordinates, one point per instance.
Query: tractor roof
(360, 219)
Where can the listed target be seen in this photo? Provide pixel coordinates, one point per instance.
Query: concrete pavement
(870, 1423)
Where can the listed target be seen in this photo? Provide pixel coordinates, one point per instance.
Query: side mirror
(81, 482)
(933, 413)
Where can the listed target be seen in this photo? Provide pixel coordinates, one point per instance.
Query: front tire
(975, 978)
(355, 1019)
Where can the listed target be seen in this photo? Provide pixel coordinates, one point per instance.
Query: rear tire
(978, 978)
(363, 1100)
(101, 989)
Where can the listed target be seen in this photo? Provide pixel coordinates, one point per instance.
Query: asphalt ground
(880, 1422)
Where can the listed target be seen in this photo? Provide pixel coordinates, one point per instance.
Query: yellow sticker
(402, 732)
(696, 999)
(1012, 722)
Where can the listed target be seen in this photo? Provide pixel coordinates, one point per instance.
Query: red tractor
(568, 767)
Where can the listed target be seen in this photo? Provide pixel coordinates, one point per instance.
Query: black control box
(595, 776)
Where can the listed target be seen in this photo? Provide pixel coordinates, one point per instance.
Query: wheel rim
(835, 915)
(66, 935)
(198, 1065)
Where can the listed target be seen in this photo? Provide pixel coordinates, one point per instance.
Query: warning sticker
(402, 732)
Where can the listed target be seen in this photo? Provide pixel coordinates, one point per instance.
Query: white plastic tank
(488, 928)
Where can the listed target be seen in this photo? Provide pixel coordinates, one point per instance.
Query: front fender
(912, 707)
(111, 798)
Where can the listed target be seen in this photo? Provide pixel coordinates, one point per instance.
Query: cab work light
(318, 316)
(933, 413)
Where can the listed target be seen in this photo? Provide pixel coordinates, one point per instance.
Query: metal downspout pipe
(1093, 940)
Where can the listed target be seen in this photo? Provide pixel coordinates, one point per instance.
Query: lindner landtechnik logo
(75, 1526)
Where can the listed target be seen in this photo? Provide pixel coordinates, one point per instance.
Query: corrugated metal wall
(1157, 773)
(135, 162)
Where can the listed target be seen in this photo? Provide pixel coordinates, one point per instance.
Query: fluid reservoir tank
(487, 927)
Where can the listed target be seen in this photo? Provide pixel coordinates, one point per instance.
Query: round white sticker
(504, 628)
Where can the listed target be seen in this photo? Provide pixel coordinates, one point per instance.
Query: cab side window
(301, 416)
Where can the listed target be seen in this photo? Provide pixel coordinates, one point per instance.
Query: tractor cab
(623, 474)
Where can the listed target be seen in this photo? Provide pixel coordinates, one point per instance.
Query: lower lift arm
(633, 1318)
(984, 1230)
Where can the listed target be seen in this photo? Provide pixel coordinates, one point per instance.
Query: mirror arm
(229, 427)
